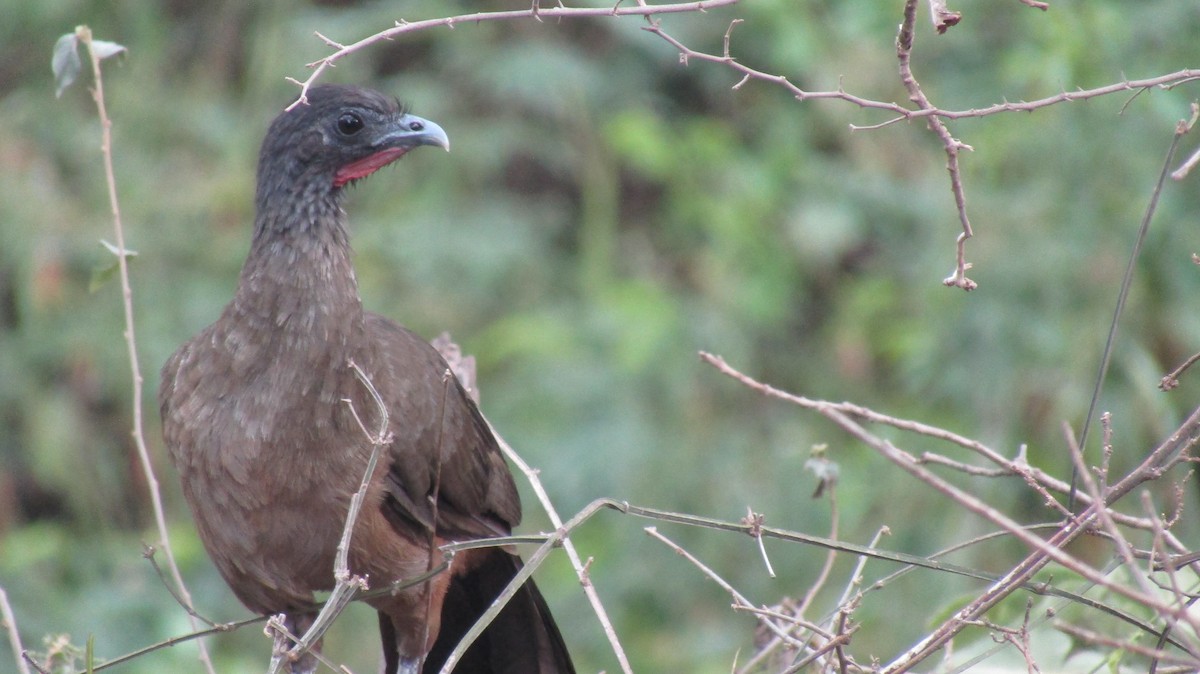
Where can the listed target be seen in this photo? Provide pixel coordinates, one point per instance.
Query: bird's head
(342, 134)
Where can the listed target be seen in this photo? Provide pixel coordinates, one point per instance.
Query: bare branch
(1127, 645)
(14, 637)
(576, 562)
(739, 600)
(1043, 551)
(534, 12)
(346, 586)
(951, 145)
(85, 36)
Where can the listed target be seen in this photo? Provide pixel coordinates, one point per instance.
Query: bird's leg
(394, 662)
(284, 651)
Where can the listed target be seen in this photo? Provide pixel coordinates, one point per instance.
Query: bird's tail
(523, 639)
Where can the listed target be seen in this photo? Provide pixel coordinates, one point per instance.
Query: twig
(1171, 380)
(27, 659)
(277, 629)
(964, 468)
(951, 145)
(14, 637)
(435, 495)
(836, 643)
(1172, 577)
(534, 12)
(687, 54)
(817, 585)
(1127, 645)
(148, 553)
(549, 541)
(1103, 514)
(576, 562)
(236, 625)
(173, 641)
(379, 439)
(1187, 166)
(755, 522)
(1181, 128)
(875, 553)
(936, 116)
(1043, 551)
(1018, 466)
(85, 36)
(346, 586)
(779, 615)
(739, 600)
(556, 539)
(463, 368)
(847, 599)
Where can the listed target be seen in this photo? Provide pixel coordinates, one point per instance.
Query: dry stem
(85, 36)
(14, 637)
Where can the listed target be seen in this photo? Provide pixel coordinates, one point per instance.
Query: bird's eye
(349, 123)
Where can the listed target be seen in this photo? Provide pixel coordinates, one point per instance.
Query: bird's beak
(407, 133)
(411, 131)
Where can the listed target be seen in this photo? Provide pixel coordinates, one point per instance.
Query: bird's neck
(298, 281)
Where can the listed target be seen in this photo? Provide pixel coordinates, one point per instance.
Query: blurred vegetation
(605, 213)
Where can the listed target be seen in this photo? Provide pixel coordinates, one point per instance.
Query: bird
(265, 420)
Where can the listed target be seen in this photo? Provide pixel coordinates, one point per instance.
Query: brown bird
(256, 418)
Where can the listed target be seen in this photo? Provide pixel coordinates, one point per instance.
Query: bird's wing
(442, 446)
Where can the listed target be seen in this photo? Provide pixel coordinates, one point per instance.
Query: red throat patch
(367, 165)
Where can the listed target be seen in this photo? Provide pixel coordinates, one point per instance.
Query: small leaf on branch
(104, 272)
(825, 470)
(104, 49)
(112, 248)
(65, 63)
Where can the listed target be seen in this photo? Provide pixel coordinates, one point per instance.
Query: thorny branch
(1174, 449)
(943, 18)
(935, 117)
(346, 586)
(548, 542)
(464, 368)
(85, 36)
(581, 568)
(952, 146)
(534, 12)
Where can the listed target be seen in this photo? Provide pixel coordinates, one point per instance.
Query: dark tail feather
(523, 639)
(387, 635)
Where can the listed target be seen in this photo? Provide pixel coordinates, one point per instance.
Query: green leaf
(65, 63)
(103, 273)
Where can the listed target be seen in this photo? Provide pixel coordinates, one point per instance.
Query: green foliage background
(605, 213)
